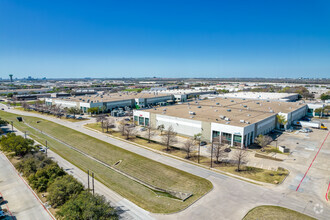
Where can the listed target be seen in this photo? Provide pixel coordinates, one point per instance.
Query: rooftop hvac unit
(191, 116)
(247, 122)
(228, 110)
(257, 103)
(248, 115)
(192, 113)
(242, 121)
(271, 111)
(244, 106)
(216, 110)
(199, 106)
(227, 119)
(222, 116)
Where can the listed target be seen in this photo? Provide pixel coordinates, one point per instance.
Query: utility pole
(25, 134)
(88, 180)
(199, 149)
(93, 183)
(12, 126)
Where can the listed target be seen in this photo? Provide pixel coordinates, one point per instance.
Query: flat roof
(212, 110)
(259, 95)
(111, 97)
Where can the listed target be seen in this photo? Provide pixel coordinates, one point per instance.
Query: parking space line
(326, 195)
(312, 161)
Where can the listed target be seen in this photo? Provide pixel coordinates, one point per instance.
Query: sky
(164, 38)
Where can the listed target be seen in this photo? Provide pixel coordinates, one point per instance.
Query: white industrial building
(287, 97)
(236, 121)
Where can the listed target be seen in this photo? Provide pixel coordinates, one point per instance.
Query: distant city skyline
(114, 39)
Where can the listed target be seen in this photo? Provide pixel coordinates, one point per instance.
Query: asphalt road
(230, 199)
(21, 201)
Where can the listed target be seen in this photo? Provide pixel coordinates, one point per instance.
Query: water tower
(11, 77)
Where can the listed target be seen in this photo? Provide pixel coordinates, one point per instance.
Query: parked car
(2, 214)
(143, 129)
(80, 118)
(306, 119)
(127, 119)
(203, 143)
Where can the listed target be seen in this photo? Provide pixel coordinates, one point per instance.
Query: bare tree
(188, 147)
(101, 118)
(169, 138)
(129, 132)
(218, 149)
(24, 105)
(241, 157)
(108, 123)
(150, 133)
(263, 141)
(121, 127)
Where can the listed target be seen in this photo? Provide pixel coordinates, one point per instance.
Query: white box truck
(310, 124)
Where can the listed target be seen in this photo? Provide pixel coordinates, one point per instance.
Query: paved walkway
(230, 199)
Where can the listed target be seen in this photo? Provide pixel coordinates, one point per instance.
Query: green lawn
(258, 174)
(145, 169)
(274, 213)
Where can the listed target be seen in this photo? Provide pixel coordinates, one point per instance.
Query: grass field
(145, 169)
(258, 174)
(275, 213)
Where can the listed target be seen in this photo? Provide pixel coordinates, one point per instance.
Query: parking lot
(19, 201)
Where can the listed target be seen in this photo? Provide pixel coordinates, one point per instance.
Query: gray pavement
(22, 203)
(230, 199)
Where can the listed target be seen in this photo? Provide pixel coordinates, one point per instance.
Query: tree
(17, 144)
(93, 110)
(3, 122)
(31, 163)
(150, 132)
(218, 150)
(108, 123)
(161, 128)
(45, 176)
(263, 141)
(169, 138)
(25, 106)
(101, 118)
(74, 111)
(198, 138)
(87, 206)
(325, 96)
(188, 147)
(121, 127)
(129, 131)
(281, 120)
(241, 157)
(63, 189)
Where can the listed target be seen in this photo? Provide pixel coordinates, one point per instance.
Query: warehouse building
(236, 121)
(111, 101)
(286, 97)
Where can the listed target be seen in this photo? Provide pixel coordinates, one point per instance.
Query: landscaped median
(275, 213)
(252, 173)
(146, 170)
